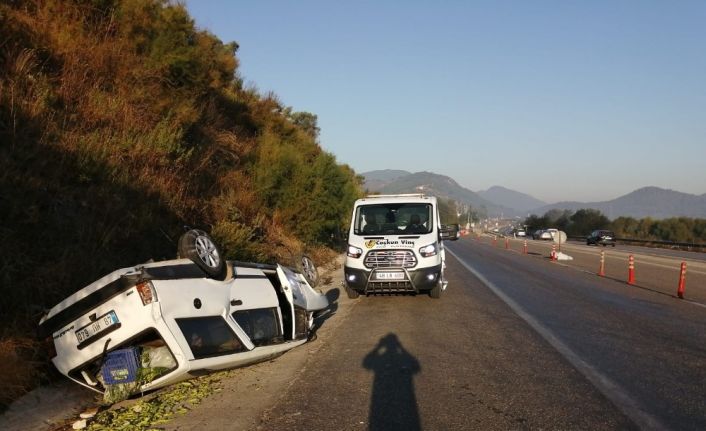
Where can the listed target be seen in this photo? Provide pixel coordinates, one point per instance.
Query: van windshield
(393, 219)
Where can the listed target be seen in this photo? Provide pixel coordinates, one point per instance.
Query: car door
(197, 313)
(255, 307)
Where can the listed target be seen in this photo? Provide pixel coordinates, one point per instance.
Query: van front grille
(390, 259)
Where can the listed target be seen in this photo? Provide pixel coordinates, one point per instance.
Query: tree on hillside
(307, 121)
(676, 229)
(447, 211)
(468, 215)
(559, 219)
(625, 227)
(534, 222)
(584, 221)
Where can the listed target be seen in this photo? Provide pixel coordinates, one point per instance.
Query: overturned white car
(148, 326)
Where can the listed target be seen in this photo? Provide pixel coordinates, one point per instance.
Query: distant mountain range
(511, 199)
(652, 202)
(393, 182)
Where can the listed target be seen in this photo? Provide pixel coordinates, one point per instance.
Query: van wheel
(352, 293)
(199, 247)
(436, 291)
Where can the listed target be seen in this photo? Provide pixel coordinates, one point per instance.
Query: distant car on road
(455, 231)
(544, 234)
(552, 232)
(449, 232)
(601, 237)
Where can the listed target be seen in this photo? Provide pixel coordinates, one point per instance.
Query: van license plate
(389, 275)
(99, 325)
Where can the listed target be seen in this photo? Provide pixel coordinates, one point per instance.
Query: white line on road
(616, 394)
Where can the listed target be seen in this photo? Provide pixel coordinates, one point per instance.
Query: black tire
(352, 293)
(309, 270)
(436, 291)
(203, 251)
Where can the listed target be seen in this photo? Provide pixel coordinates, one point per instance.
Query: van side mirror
(443, 232)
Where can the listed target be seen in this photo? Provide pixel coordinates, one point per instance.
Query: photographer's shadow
(393, 405)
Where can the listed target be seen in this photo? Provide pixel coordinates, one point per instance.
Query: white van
(394, 246)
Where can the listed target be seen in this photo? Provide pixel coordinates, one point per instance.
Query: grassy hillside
(121, 122)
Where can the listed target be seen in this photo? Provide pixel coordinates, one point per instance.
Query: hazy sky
(564, 100)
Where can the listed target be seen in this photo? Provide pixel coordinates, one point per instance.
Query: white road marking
(614, 392)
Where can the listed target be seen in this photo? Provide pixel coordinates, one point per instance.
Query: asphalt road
(644, 349)
(515, 343)
(654, 269)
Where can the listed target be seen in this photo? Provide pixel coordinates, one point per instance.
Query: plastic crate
(120, 366)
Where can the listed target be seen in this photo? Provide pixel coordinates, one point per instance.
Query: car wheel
(309, 270)
(200, 248)
(352, 293)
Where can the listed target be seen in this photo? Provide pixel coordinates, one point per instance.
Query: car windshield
(391, 219)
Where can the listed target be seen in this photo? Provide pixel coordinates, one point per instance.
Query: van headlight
(354, 251)
(428, 250)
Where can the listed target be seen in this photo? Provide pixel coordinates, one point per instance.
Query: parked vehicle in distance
(601, 237)
(506, 231)
(543, 234)
(145, 327)
(450, 232)
(519, 232)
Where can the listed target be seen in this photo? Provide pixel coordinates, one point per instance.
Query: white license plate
(389, 275)
(97, 326)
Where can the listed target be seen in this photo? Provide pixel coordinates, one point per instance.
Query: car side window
(209, 336)
(260, 325)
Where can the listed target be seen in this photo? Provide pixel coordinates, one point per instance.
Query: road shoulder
(252, 393)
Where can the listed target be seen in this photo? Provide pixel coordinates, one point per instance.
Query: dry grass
(20, 365)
